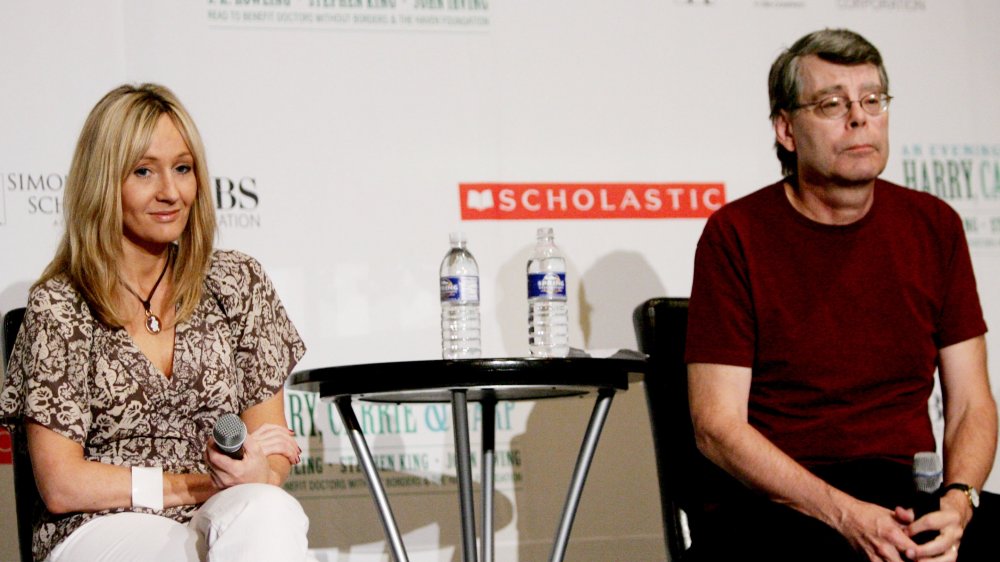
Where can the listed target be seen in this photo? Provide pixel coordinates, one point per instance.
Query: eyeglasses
(835, 107)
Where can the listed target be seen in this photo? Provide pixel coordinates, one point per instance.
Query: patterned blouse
(92, 384)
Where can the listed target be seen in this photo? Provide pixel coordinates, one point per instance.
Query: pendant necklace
(153, 324)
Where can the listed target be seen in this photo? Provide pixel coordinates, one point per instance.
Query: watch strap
(970, 492)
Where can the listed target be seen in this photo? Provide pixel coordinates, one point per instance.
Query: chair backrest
(11, 324)
(26, 496)
(688, 481)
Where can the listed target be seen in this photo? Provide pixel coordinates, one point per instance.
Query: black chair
(26, 496)
(689, 482)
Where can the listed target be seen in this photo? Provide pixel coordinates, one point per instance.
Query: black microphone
(230, 432)
(927, 476)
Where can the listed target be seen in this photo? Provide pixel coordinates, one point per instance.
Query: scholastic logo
(523, 201)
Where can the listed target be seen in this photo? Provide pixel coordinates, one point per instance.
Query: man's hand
(878, 532)
(949, 522)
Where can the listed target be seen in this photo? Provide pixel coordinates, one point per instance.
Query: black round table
(480, 380)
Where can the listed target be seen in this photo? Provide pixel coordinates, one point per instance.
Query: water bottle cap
(545, 232)
(457, 238)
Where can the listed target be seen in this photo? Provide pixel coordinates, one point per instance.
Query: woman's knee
(265, 497)
(252, 522)
(255, 501)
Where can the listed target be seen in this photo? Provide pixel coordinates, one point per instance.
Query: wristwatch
(970, 491)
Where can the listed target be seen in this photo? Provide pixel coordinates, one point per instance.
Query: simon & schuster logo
(522, 201)
(35, 194)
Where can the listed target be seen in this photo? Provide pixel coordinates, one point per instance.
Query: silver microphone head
(927, 472)
(230, 432)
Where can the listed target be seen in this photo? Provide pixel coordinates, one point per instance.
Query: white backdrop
(339, 132)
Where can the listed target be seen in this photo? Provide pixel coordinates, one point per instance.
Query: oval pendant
(152, 324)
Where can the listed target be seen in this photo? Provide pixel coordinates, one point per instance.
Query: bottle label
(463, 289)
(550, 285)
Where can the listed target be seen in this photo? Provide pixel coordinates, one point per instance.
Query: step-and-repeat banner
(347, 138)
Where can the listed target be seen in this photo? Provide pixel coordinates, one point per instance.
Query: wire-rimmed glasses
(835, 107)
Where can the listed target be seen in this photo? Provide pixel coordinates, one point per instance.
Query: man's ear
(783, 131)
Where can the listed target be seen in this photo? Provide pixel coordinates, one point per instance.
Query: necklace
(153, 324)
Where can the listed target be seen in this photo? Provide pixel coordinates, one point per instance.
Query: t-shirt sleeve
(46, 377)
(961, 314)
(267, 345)
(721, 327)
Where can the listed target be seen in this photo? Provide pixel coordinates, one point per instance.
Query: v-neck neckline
(151, 367)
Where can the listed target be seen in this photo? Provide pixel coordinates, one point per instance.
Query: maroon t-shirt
(840, 324)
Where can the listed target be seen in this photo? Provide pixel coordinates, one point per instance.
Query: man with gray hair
(821, 307)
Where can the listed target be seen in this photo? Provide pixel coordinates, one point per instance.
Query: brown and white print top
(92, 384)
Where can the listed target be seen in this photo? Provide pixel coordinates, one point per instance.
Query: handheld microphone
(230, 432)
(927, 476)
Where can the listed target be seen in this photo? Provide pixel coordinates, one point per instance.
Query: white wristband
(147, 487)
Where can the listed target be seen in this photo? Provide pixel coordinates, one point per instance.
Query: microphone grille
(927, 471)
(230, 432)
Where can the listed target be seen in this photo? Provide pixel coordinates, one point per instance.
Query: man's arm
(719, 399)
(970, 435)
(970, 417)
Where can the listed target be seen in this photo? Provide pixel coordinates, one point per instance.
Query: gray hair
(840, 46)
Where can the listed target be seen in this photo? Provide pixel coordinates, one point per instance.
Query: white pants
(246, 522)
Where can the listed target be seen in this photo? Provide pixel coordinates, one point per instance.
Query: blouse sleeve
(267, 345)
(46, 377)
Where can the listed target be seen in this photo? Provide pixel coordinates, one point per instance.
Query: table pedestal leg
(597, 417)
(460, 415)
(489, 404)
(371, 474)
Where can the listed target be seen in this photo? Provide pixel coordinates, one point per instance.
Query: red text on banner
(522, 201)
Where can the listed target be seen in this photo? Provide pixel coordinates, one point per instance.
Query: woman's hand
(278, 440)
(268, 439)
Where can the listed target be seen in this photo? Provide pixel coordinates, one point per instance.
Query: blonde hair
(115, 136)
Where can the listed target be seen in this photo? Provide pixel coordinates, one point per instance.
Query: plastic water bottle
(548, 313)
(460, 336)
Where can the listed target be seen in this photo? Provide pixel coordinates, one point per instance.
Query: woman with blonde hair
(137, 337)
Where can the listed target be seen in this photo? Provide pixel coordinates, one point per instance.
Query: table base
(460, 415)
